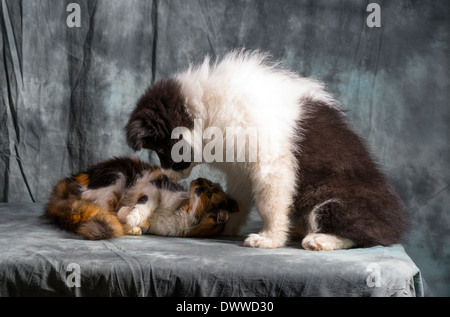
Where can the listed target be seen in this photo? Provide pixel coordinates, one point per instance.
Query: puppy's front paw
(259, 240)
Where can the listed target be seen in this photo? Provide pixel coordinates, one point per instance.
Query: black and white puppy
(320, 184)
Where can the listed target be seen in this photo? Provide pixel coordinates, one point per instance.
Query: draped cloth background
(66, 93)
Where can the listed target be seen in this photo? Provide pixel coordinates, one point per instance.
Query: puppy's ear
(159, 110)
(136, 133)
(144, 130)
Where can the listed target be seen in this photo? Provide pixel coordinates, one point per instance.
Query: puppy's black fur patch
(335, 165)
(160, 110)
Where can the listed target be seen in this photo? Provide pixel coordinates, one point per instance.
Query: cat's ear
(221, 216)
(232, 205)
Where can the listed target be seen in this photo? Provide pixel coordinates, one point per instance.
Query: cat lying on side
(125, 196)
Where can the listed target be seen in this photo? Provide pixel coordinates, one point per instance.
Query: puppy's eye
(209, 194)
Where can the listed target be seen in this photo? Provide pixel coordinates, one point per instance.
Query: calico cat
(125, 196)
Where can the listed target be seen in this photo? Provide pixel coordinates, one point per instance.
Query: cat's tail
(69, 212)
(96, 223)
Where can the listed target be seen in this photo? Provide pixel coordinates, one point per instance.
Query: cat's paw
(136, 231)
(123, 213)
(132, 231)
(134, 218)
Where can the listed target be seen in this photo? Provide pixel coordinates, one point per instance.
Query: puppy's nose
(209, 194)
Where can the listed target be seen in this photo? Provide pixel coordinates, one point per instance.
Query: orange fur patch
(113, 203)
(211, 219)
(156, 173)
(84, 213)
(61, 189)
(117, 195)
(82, 179)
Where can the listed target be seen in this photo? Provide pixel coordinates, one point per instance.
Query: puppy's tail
(68, 211)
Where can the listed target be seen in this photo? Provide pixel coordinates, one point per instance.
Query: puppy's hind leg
(325, 242)
(319, 238)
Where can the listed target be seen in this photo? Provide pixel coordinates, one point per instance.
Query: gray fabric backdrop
(66, 93)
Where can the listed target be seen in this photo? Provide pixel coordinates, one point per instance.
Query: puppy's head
(210, 206)
(158, 112)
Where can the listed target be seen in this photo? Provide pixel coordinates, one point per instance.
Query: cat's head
(211, 207)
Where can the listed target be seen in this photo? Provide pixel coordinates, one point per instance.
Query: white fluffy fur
(161, 210)
(103, 195)
(245, 90)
